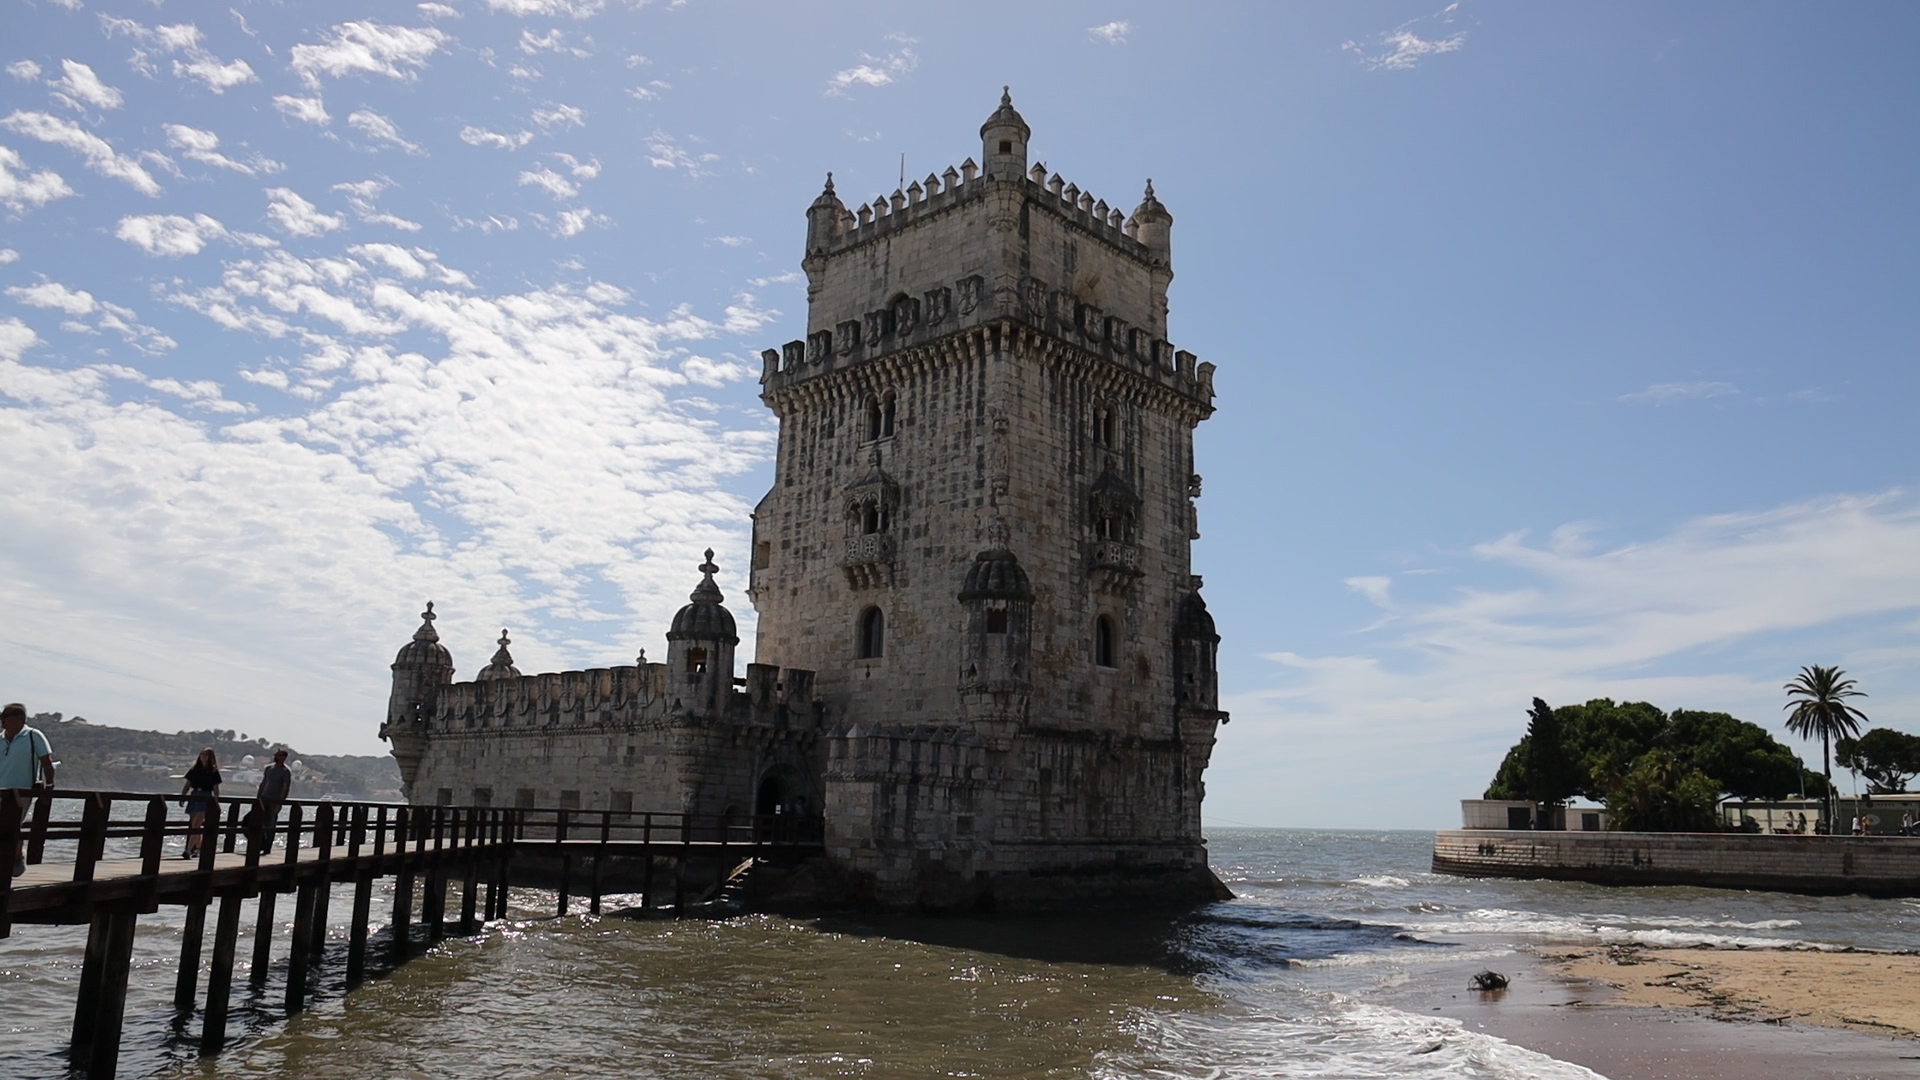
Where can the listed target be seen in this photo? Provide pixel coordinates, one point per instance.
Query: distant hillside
(126, 759)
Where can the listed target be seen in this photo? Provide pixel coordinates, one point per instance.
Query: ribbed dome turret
(996, 573)
(501, 666)
(425, 650)
(1006, 116)
(1151, 208)
(703, 617)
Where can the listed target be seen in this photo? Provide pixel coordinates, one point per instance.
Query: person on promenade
(275, 783)
(24, 751)
(202, 793)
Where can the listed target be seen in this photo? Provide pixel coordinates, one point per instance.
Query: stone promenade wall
(1872, 865)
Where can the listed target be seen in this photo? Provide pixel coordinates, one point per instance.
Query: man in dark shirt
(275, 783)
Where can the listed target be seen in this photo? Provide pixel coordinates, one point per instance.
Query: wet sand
(1576, 1006)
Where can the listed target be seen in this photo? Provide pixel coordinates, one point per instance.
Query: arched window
(996, 620)
(874, 418)
(873, 634)
(1103, 641)
(886, 416)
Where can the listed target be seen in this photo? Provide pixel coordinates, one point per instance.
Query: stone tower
(979, 537)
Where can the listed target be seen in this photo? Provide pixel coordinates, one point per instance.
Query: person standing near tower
(23, 750)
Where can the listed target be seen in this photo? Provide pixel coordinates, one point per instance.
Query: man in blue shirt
(26, 762)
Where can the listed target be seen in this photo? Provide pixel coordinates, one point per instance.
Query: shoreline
(1577, 1005)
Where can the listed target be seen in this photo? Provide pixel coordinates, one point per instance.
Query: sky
(1563, 350)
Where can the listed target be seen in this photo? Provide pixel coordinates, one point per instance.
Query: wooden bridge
(109, 867)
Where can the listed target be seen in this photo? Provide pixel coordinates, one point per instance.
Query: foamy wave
(1297, 1038)
(1659, 931)
(1403, 957)
(1382, 881)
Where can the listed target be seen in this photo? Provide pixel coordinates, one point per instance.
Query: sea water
(1303, 974)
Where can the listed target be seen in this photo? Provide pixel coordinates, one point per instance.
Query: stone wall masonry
(1871, 865)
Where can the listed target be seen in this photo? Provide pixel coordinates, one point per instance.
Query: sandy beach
(1861, 991)
(1709, 1014)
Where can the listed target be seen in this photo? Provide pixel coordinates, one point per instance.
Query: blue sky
(1563, 350)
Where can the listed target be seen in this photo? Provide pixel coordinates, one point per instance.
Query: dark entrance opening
(773, 796)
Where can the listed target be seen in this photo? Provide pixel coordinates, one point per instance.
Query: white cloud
(571, 222)
(1713, 615)
(21, 189)
(477, 136)
(664, 153)
(264, 545)
(1375, 589)
(556, 185)
(216, 76)
(1113, 33)
(307, 110)
(554, 41)
(438, 11)
(367, 48)
(80, 89)
(789, 277)
(107, 316)
(204, 146)
(489, 224)
(579, 9)
(1662, 393)
(565, 116)
(733, 241)
(361, 196)
(298, 216)
(1402, 49)
(99, 154)
(8, 256)
(374, 126)
(24, 70)
(651, 91)
(876, 70)
(525, 73)
(169, 234)
(582, 170)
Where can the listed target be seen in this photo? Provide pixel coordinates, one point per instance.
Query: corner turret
(501, 666)
(826, 219)
(1152, 225)
(996, 680)
(700, 648)
(421, 668)
(1003, 140)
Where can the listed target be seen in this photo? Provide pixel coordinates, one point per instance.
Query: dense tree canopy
(1887, 758)
(1602, 744)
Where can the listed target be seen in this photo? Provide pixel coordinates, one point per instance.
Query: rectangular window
(622, 802)
(444, 797)
(696, 661)
(523, 798)
(483, 796)
(763, 555)
(997, 621)
(570, 800)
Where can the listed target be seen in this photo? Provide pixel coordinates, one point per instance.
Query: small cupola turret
(1152, 225)
(996, 678)
(420, 669)
(501, 666)
(1196, 647)
(700, 646)
(1003, 140)
(826, 219)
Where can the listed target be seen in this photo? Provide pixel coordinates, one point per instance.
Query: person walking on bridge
(275, 783)
(26, 764)
(202, 793)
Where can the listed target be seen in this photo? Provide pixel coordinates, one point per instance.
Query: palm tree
(1818, 697)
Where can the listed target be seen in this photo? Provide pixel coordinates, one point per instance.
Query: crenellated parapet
(633, 697)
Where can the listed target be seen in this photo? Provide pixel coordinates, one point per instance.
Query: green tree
(1887, 758)
(1817, 698)
(1601, 741)
(1551, 774)
(1742, 758)
(1661, 794)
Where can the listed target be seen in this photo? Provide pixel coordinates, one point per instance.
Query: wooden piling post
(600, 859)
(402, 886)
(100, 1013)
(226, 929)
(646, 876)
(357, 936)
(263, 925)
(191, 938)
(300, 956)
(323, 840)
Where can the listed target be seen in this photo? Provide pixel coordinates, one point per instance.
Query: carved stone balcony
(1114, 565)
(869, 560)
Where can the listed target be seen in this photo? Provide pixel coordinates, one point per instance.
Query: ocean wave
(1380, 881)
(1310, 1036)
(1403, 956)
(1659, 931)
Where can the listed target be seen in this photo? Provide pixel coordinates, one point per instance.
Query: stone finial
(899, 200)
(707, 592)
(1086, 202)
(1057, 185)
(1038, 174)
(1100, 210)
(641, 660)
(501, 666)
(933, 185)
(998, 535)
(969, 170)
(952, 178)
(865, 216)
(1071, 195)
(1116, 219)
(426, 631)
(880, 208)
(916, 193)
